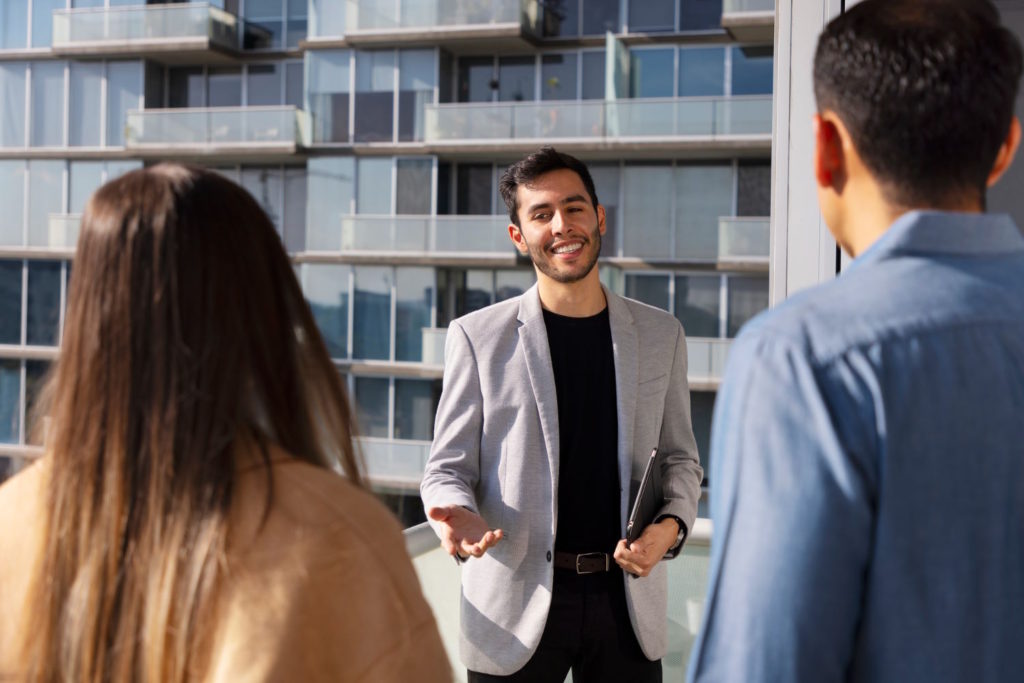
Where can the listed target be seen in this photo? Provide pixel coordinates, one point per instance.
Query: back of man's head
(926, 90)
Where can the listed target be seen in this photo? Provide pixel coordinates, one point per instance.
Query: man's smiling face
(560, 229)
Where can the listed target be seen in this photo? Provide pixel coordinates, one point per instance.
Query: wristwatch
(680, 537)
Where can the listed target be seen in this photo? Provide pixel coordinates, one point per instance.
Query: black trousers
(588, 631)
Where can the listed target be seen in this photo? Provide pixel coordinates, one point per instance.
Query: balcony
(422, 236)
(743, 241)
(749, 21)
(703, 124)
(171, 33)
(241, 131)
(687, 586)
(394, 463)
(705, 362)
(461, 26)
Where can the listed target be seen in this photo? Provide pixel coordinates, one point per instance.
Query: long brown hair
(187, 341)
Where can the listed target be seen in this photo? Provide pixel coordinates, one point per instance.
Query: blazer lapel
(533, 336)
(627, 372)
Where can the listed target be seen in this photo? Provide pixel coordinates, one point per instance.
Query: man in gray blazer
(551, 405)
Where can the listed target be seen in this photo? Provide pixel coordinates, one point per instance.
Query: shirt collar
(942, 232)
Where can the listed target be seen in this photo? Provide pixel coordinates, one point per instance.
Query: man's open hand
(464, 532)
(645, 552)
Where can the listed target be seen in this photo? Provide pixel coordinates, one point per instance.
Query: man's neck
(579, 299)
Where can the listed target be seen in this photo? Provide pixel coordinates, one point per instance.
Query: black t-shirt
(588, 473)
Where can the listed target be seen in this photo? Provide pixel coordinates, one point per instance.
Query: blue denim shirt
(867, 470)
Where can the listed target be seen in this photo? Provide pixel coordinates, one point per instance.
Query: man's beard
(545, 266)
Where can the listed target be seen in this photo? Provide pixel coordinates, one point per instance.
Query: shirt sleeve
(792, 508)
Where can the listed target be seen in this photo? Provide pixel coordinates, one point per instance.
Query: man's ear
(1006, 153)
(516, 235)
(829, 160)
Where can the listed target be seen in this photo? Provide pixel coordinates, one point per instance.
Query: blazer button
(549, 556)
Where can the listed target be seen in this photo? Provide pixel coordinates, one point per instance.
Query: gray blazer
(495, 451)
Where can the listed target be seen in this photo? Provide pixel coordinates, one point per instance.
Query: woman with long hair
(184, 522)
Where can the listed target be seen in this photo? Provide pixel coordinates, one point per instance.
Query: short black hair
(529, 168)
(927, 91)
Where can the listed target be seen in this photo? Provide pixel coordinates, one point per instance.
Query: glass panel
(263, 21)
(516, 79)
(415, 405)
(295, 25)
(116, 169)
(372, 406)
(374, 186)
(651, 15)
(224, 87)
(326, 288)
(295, 193)
(265, 185)
(703, 194)
(375, 86)
(558, 77)
(328, 94)
(12, 199)
(651, 72)
(748, 296)
(186, 87)
(650, 289)
(47, 118)
(417, 77)
(85, 178)
(413, 186)
(754, 189)
(697, 304)
(86, 103)
(561, 18)
(124, 92)
(600, 16)
(45, 197)
(752, 70)
(414, 297)
(328, 18)
(331, 185)
(12, 104)
(10, 396)
(477, 293)
(10, 302)
(606, 183)
(42, 21)
(593, 75)
(648, 211)
(263, 84)
(43, 303)
(13, 24)
(476, 79)
(700, 15)
(371, 326)
(474, 190)
(510, 283)
(293, 75)
(702, 406)
(701, 71)
(35, 374)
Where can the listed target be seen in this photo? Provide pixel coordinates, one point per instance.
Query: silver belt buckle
(589, 555)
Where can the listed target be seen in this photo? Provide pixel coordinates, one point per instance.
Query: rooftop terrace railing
(685, 117)
(144, 23)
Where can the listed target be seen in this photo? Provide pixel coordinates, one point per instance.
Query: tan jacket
(324, 591)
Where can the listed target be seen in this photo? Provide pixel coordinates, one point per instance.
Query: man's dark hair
(528, 169)
(927, 91)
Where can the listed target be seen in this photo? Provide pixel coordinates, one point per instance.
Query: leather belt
(584, 563)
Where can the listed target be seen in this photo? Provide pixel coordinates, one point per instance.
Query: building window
(650, 16)
(414, 299)
(42, 20)
(329, 94)
(561, 18)
(417, 79)
(375, 86)
(372, 406)
(42, 326)
(703, 193)
(13, 24)
(10, 302)
(697, 304)
(601, 16)
(748, 296)
(701, 71)
(415, 406)
(558, 76)
(86, 124)
(47, 105)
(651, 72)
(326, 288)
(10, 393)
(371, 325)
(12, 199)
(752, 70)
(700, 15)
(331, 183)
(12, 103)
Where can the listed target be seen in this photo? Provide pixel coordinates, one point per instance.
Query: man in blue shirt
(867, 451)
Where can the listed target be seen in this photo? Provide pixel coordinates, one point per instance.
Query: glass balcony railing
(743, 239)
(687, 586)
(589, 120)
(734, 6)
(395, 462)
(144, 23)
(62, 229)
(433, 345)
(426, 234)
(254, 128)
(374, 15)
(705, 359)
